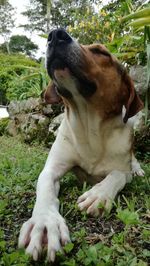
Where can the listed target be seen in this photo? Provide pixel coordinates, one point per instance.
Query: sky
(20, 6)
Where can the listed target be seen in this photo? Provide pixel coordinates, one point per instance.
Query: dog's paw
(136, 167)
(96, 201)
(49, 230)
(137, 170)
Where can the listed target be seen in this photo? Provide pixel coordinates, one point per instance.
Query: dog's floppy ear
(133, 104)
(50, 95)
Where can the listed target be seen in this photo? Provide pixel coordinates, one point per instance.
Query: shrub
(3, 126)
(14, 70)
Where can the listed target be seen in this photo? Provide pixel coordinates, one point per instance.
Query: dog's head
(91, 72)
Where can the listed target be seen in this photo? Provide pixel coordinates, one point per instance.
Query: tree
(7, 21)
(68, 12)
(85, 22)
(39, 16)
(20, 43)
(43, 15)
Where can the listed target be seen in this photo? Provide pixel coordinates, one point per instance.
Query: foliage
(128, 217)
(3, 125)
(62, 13)
(101, 25)
(31, 83)
(36, 13)
(21, 77)
(142, 142)
(140, 19)
(93, 23)
(122, 238)
(19, 43)
(128, 46)
(69, 12)
(17, 61)
(20, 89)
(104, 26)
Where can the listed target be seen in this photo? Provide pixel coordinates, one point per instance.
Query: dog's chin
(62, 74)
(63, 79)
(53, 65)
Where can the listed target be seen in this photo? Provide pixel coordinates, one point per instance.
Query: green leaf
(30, 76)
(2, 245)
(128, 217)
(146, 253)
(92, 253)
(69, 263)
(141, 263)
(44, 35)
(139, 14)
(140, 22)
(68, 247)
(3, 206)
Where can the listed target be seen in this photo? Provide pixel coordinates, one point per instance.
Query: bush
(20, 89)
(12, 70)
(142, 143)
(3, 126)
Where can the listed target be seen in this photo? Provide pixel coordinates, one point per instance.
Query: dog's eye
(100, 52)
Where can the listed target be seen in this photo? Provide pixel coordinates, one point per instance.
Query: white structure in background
(3, 112)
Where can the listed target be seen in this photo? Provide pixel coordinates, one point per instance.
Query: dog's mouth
(65, 63)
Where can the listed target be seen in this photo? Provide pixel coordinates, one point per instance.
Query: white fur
(136, 168)
(101, 149)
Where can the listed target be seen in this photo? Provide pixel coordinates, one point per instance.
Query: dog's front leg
(136, 168)
(101, 196)
(47, 227)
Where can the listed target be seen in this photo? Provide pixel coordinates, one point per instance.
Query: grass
(121, 238)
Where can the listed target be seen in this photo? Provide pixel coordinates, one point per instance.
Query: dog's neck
(82, 120)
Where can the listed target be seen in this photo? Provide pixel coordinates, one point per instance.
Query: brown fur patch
(114, 86)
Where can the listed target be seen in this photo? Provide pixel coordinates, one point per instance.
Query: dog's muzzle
(64, 53)
(58, 50)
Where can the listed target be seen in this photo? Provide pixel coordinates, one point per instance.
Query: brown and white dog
(95, 138)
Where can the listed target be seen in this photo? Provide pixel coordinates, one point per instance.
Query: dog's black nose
(58, 36)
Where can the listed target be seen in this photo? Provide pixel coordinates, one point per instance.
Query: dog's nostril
(58, 36)
(62, 35)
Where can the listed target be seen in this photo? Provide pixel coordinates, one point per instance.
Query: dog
(95, 138)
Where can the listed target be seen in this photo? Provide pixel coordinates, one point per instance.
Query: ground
(120, 238)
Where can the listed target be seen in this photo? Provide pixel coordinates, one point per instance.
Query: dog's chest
(100, 147)
(104, 151)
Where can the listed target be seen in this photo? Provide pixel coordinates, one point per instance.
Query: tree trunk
(48, 15)
(6, 39)
(7, 47)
